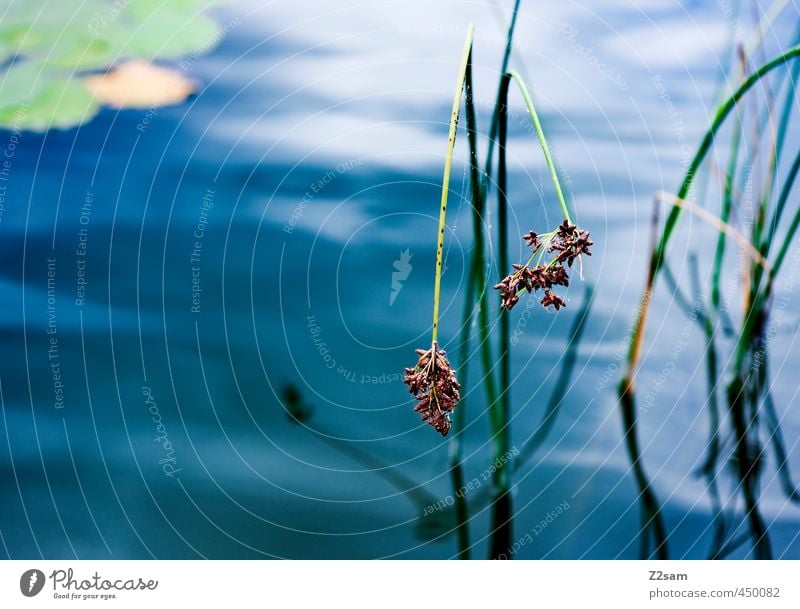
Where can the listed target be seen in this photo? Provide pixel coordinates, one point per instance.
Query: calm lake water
(167, 275)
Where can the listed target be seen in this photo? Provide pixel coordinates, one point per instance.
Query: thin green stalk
(764, 245)
(501, 511)
(487, 172)
(761, 297)
(448, 163)
(464, 83)
(708, 139)
(781, 204)
(503, 263)
(779, 131)
(788, 102)
(501, 508)
(479, 264)
(727, 204)
(537, 125)
(753, 317)
(784, 197)
(459, 417)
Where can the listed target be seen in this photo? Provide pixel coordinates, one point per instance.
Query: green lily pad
(50, 49)
(30, 28)
(21, 83)
(169, 34)
(58, 104)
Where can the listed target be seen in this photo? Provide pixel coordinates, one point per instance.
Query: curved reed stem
(651, 510)
(448, 163)
(537, 125)
(658, 255)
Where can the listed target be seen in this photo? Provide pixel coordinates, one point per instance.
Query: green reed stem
(487, 172)
(455, 450)
(503, 264)
(537, 125)
(501, 537)
(783, 198)
(789, 101)
(759, 298)
(479, 262)
(626, 388)
(708, 139)
(727, 205)
(448, 162)
(753, 318)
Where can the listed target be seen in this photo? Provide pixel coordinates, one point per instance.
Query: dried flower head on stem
(433, 383)
(567, 242)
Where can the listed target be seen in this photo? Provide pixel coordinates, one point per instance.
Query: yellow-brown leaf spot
(140, 84)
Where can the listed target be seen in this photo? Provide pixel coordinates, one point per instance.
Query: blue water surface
(167, 275)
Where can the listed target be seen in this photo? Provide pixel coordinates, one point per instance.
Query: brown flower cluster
(570, 242)
(433, 383)
(567, 242)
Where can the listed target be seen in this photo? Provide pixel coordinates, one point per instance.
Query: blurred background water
(247, 239)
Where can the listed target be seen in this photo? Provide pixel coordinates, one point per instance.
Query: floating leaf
(168, 30)
(58, 104)
(33, 30)
(21, 83)
(85, 53)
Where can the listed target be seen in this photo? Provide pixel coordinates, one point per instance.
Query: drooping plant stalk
(501, 413)
(455, 448)
(432, 381)
(537, 125)
(448, 163)
(567, 242)
(571, 241)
